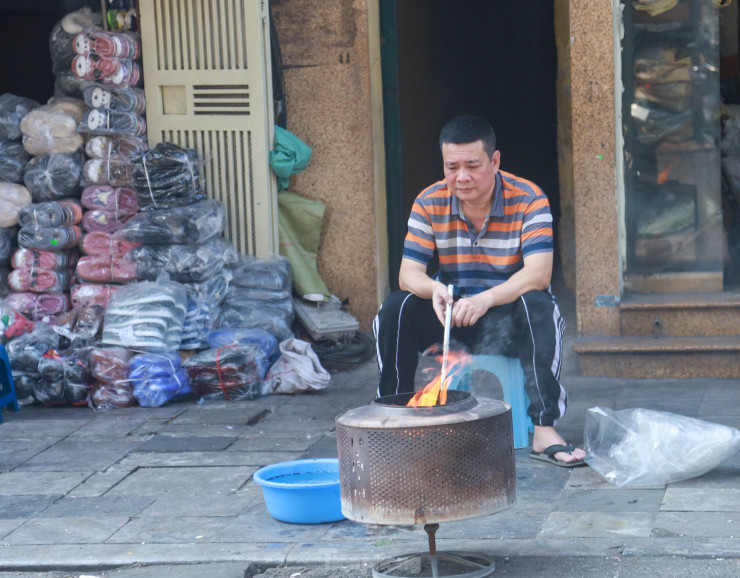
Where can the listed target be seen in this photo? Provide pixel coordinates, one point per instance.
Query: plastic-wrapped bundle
(26, 350)
(204, 300)
(230, 372)
(194, 224)
(103, 243)
(116, 99)
(59, 260)
(50, 214)
(108, 122)
(12, 110)
(52, 128)
(8, 237)
(80, 325)
(184, 263)
(52, 177)
(106, 269)
(38, 280)
(116, 44)
(146, 315)
(109, 364)
(105, 221)
(12, 322)
(38, 306)
(256, 317)
(25, 383)
(105, 395)
(13, 157)
(91, 294)
(264, 274)
(66, 378)
(108, 172)
(61, 46)
(109, 198)
(260, 297)
(13, 198)
(157, 378)
(67, 84)
(106, 69)
(167, 176)
(49, 238)
(265, 341)
(115, 148)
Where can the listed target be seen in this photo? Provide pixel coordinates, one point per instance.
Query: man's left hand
(467, 311)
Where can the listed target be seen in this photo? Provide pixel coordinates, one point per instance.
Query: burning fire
(435, 392)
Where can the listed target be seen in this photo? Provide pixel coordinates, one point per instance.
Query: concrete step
(663, 358)
(680, 315)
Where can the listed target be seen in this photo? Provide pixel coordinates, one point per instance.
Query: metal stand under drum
(435, 564)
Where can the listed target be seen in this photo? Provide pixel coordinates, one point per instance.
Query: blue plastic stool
(7, 387)
(509, 372)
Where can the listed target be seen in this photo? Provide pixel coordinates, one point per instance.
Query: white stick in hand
(446, 342)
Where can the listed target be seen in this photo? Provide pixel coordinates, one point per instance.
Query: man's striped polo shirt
(520, 224)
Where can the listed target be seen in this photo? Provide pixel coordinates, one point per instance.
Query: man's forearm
(518, 284)
(417, 282)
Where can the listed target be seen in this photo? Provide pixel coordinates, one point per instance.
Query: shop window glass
(671, 122)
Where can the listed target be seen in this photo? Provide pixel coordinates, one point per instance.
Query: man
(492, 233)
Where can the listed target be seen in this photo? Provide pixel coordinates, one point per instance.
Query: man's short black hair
(469, 128)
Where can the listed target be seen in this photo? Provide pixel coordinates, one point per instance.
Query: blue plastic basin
(302, 491)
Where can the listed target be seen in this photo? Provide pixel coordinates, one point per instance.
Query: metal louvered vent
(208, 87)
(216, 99)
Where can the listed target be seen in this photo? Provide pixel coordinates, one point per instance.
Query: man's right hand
(440, 299)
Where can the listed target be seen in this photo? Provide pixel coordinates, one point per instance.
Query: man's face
(469, 172)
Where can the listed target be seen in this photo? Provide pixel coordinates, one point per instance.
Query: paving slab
(96, 507)
(25, 506)
(14, 452)
(264, 443)
(587, 525)
(702, 499)
(25, 427)
(69, 455)
(697, 525)
(78, 530)
(176, 459)
(21, 483)
(614, 500)
(172, 443)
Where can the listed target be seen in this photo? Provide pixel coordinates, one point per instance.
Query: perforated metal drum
(402, 465)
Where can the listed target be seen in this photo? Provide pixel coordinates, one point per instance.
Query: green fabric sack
(290, 156)
(299, 229)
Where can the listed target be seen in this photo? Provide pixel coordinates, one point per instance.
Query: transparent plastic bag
(61, 45)
(13, 158)
(167, 176)
(230, 372)
(641, 448)
(52, 177)
(244, 336)
(52, 128)
(184, 263)
(146, 315)
(191, 225)
(12, 110)
(157, 378)
(13, 198)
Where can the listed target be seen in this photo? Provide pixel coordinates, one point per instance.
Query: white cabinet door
(208, 87)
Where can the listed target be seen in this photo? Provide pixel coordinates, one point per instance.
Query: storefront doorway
(440, 59)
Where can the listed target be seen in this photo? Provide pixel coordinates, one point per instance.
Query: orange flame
(663, 175)
(435, 392)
